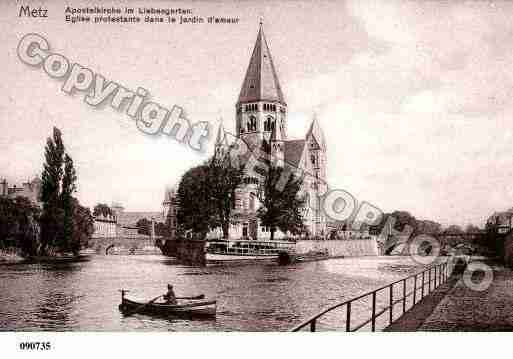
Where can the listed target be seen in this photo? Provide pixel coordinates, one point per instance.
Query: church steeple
(261, 105)
(315, 132)
(261, 81)
(221, 144)
(277, 147)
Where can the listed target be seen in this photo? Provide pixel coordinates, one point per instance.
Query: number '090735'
(35, 346)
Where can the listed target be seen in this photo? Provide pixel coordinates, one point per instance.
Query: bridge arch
(109, 248)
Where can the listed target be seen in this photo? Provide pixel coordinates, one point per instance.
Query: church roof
(261, 81)
(294, 151)
(316, 131)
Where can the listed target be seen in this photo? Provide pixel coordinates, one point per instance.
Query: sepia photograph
(255, 167)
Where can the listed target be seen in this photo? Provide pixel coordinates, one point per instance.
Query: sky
(415, 98)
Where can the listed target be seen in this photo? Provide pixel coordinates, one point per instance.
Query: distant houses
(122, 223)
(30, 189)
(501, 222)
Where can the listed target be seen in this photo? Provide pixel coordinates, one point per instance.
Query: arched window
(269, 123)
(252, 124)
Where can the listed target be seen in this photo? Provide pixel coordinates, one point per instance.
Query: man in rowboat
(170, 296)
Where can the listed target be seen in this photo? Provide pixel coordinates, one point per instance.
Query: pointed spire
(261, 81)
(220, 133)
(316, 132)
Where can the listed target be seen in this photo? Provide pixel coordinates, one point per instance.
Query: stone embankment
(454, 306)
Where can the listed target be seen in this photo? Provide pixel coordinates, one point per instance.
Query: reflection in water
(84, 296)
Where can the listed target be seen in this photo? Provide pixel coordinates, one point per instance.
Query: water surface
(84, 296)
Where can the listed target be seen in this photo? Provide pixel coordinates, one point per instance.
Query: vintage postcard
(254, 166)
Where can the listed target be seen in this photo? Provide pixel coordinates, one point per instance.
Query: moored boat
(245, 251)
(203, 308)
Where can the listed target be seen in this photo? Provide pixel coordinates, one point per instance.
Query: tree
(8, 220)
(402, 220)
(102, 209)
(453, 229)
(281, 205)
(83, 226)
(143, 226)
(428, 227)
(195, 212)
(63, 221)
(18, 226)
(162, 229)
(471, 228)
(53, 214)
(222, 181)
(67, 202)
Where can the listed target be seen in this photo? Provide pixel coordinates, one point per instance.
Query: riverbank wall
(187, 251)
(340, 247)
(192, 252)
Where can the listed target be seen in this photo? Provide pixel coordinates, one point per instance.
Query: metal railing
(436, 275)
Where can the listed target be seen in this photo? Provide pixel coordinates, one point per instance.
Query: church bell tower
(261, 106)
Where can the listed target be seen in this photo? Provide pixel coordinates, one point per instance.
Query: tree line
(62, 225)
(207, 198)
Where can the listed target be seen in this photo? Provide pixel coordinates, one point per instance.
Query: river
(84, 296)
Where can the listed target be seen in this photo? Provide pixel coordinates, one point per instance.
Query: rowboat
(187, 308)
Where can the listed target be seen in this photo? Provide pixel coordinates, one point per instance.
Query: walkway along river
(84, 296)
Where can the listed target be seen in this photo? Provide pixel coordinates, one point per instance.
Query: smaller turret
(277, 147)
(221, 145)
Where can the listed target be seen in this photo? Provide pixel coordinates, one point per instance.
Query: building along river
(84, 296)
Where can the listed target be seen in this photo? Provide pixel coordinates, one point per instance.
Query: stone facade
(105, 227)
(170, 205)
(122, 223)
(261, 122)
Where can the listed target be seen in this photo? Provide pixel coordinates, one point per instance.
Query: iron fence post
(374, 311)
(348, 317)
(435, 278)
(404, 295)
(423, 279)
(391, 314)
(415, 290)
(429, 278)
(312, 325)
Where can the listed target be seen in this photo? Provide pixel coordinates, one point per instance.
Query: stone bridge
(121, 245)
(398, 245)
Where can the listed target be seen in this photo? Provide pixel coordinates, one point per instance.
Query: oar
(201, 296)
(143, 306)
